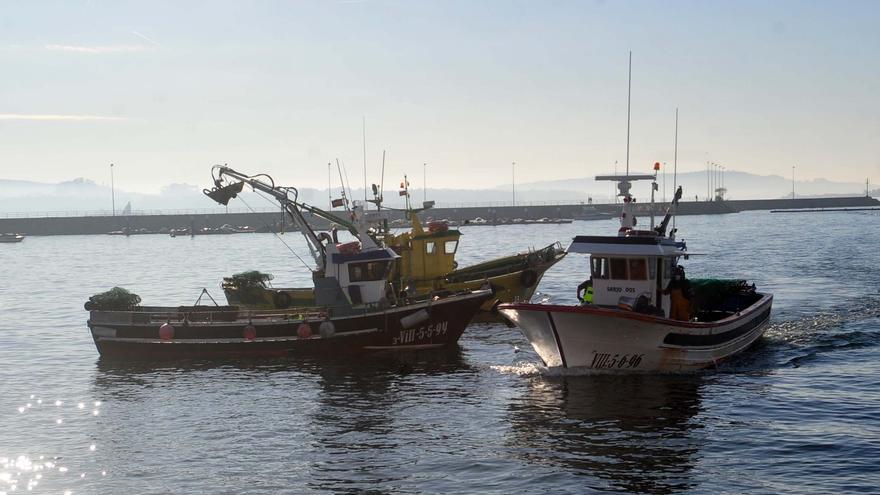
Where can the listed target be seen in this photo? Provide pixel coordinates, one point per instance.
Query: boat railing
(154, 315)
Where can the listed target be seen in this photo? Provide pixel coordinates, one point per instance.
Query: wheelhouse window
(638, 269)
(367, 272)
(430, 247)
(618, 268)
(668, 267)
(599, 268)
(449, 247)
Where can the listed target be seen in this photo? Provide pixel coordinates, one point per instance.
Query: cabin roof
(627, 246)
(377, 254)
(433, 235)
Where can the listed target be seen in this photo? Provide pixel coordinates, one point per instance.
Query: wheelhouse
(424, 254)
(630, 269)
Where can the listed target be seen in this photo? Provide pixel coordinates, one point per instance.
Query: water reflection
(331, 424)
(629, 433)
(367, 415)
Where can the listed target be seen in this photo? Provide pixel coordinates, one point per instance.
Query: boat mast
(365, 161)
(628, 106)
(675, 169)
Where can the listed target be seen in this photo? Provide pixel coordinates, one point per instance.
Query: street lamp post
(424, 182)
(513, 182)
(792, 182)
(708, 181)
(112, 191)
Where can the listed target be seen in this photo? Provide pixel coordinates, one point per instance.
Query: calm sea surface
(799, 413)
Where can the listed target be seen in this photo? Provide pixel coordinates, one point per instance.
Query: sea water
(798, 413)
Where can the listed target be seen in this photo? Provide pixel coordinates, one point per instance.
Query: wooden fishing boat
(636, 321)
(202, 332)
(355, 309)
(426, 264)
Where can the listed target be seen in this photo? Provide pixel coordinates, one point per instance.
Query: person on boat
(680, 292)
(587, 288)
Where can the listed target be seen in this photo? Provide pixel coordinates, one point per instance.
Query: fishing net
(251, 278)
(115, 299)
(715, 293)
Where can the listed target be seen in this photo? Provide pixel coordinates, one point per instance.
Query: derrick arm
(223, 193)
(330, 217)
(661, 229)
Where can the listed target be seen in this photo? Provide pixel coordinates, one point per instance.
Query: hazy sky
(166, 89)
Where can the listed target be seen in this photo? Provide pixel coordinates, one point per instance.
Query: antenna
(675, 168)
(344, 196)
(346, 184)
(382, 182)
(330, 184)
(365, 161)
(628, 104)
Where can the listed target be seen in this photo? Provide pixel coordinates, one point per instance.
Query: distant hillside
(739, 185)
(81, 194)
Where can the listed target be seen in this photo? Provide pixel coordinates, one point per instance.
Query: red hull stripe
(617, 313)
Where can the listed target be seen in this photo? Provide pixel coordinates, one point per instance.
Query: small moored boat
(9, 238)
(636, 320)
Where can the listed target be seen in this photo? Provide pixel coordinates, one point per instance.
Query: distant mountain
(81, 195)
(739, 185)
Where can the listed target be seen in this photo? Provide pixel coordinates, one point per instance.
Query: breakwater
(71, 225)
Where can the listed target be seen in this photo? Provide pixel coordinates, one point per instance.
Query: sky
(455, 92)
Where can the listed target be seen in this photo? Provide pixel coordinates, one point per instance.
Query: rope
(275, 233)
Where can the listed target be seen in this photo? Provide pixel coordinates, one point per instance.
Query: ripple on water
(796, 414)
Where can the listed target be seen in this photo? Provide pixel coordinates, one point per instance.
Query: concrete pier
(68, 225)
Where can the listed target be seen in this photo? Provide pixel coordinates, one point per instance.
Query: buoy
(438, 226)
(166, 331)
(353, 247)
(304, 331)
(327, 329)
(249, 333)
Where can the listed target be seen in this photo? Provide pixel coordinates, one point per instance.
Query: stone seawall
(104, 224)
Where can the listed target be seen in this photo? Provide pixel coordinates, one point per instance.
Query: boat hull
(618, 340)
(136, 335)
(513, 278)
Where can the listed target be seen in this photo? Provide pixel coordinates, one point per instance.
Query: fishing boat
(9, 238)
(425, 263)
(355, 309)
(636, 320)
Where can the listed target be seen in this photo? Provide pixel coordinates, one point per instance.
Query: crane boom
(223, 193)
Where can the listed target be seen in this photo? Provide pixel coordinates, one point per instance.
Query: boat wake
(795, 342)
(524, 369)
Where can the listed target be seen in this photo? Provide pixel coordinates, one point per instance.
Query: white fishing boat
(636, 320)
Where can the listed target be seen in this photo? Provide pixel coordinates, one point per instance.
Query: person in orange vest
(680, 295)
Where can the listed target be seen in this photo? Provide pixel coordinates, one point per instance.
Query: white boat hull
(612, 339)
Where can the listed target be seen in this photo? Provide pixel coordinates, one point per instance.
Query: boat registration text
(414, 335)
(606, 360)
